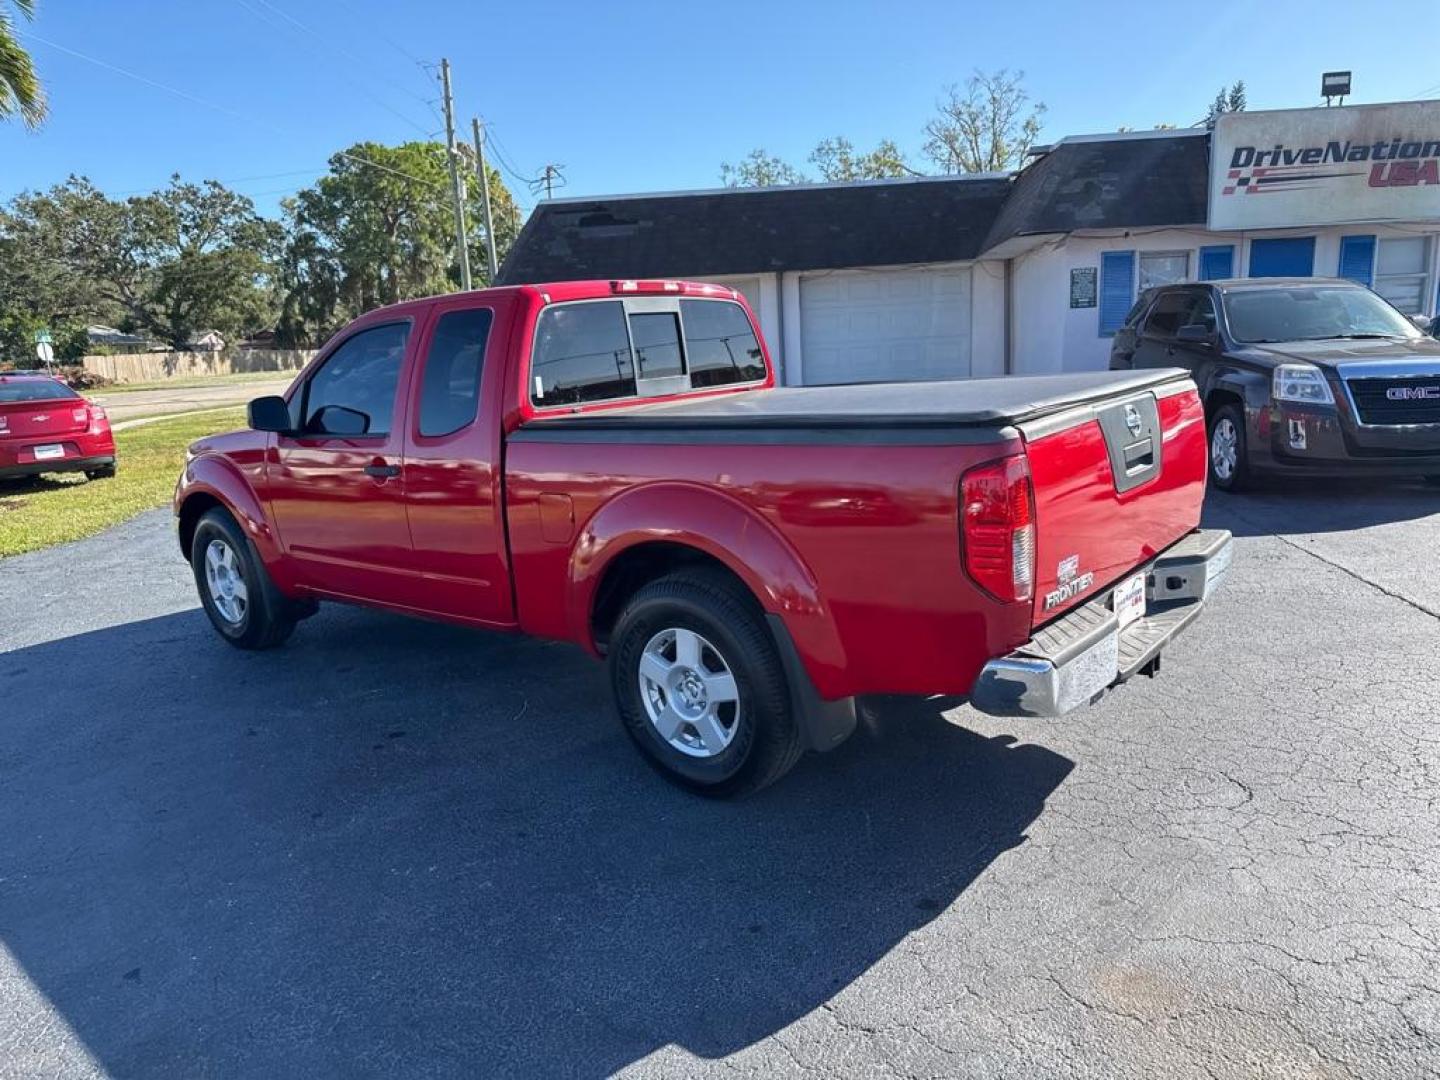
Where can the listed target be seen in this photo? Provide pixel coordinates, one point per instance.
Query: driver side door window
(337, 485)
(353, 394)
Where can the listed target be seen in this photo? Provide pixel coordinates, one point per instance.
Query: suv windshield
(1312, 313)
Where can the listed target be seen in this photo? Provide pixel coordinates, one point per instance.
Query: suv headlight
(1303, 383)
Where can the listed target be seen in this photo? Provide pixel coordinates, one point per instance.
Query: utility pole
(457, 189)
(551, 172)
(475, 130)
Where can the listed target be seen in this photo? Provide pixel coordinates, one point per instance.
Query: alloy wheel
(1224, 448)
(689, 693)
(227, 585)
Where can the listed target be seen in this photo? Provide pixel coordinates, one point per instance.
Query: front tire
(1228, 451)
(700, 687)
(243, 604)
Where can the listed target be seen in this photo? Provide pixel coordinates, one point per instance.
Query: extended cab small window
(720, 344)
(353, 393)
(582, 353)
(450, 383)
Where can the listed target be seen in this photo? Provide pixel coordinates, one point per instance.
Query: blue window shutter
(1217, 262)
(1290, 256)
(1117, 289)
(1357, 258)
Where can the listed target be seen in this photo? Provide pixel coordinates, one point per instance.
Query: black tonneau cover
(956, 403)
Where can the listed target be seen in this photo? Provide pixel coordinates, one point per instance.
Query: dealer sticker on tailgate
(1129, 600)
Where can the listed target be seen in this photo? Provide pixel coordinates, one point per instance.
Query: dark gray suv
(1300, 376)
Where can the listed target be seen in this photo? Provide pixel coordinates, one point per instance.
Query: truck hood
(1332, 354)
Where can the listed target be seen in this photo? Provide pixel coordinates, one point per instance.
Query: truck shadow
(1320, 506)
(402, 848)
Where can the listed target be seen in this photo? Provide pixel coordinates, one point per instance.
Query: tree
(759, 169)
(837, 161)
(1226, 101)
(187, 258)
(987, 127)
(378, 229)
(20, 90)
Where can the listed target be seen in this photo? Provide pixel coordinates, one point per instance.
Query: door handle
(381, 471)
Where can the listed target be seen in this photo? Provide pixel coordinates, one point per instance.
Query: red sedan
(47, 427)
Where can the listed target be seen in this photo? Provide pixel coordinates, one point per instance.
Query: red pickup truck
(611, 463)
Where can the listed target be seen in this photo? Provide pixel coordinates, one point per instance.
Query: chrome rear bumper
(1076, 658)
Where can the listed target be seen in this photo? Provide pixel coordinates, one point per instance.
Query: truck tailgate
(1116, 482)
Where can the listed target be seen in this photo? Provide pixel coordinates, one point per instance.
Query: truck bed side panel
(875, 525)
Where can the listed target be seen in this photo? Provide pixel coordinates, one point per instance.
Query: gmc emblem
(1413, 393)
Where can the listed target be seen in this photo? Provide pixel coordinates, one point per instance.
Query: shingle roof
(740, 231)
(1106, 183)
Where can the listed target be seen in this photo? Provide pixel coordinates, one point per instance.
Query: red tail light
(997, 523)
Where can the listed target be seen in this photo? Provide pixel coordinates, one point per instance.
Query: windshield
(1312, 313)
(33, 390)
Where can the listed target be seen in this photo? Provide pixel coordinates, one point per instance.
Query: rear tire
(700, 687)
(243, 604)
(1228, 452)
(105, 472)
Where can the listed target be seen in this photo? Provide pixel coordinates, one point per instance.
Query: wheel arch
(210, 482)
(655, 529)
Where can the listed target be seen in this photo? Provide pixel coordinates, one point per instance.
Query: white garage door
(885, 325)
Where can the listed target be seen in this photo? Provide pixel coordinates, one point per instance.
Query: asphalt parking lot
(400, 849)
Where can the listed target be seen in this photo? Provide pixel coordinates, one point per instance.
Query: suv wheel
(700, 687)
(1229, 455)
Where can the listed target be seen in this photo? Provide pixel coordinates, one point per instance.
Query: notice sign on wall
(1082, 286)
(1355, 163)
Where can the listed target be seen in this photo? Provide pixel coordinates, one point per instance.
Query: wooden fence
(158, 366)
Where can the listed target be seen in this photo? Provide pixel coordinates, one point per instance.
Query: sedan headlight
(1303, 383)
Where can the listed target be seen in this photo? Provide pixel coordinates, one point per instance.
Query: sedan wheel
(689, 693)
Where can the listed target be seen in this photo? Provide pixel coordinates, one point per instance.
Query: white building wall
(987, 318)
(1050, 336)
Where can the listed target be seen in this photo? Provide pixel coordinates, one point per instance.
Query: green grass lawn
(65, 506)
(191, 383)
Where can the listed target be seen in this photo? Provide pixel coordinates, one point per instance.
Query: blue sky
(646, 96)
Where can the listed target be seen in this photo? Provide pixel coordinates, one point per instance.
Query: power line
(364, 89)
(219, 108)
(329, 42)
(547, 179)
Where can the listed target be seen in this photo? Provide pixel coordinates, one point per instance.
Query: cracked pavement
(399, 848)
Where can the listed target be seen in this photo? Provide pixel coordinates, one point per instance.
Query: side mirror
(270, 414)
(1422, 322)
(1195, 334)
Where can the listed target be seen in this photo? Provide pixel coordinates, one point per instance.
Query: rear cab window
(591, 351)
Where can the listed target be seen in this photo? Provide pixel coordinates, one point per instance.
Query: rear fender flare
(728, 531)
